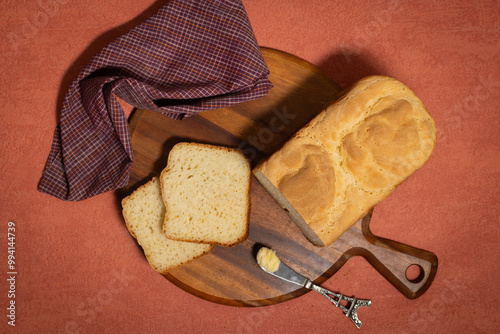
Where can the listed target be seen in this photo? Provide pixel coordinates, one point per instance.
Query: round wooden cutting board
(231, 276)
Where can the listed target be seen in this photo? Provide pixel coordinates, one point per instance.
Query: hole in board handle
(414, 273)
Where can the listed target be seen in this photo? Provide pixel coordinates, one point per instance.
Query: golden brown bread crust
(351, 156)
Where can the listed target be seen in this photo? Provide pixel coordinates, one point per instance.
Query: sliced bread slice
(206, 192)
(144, 214)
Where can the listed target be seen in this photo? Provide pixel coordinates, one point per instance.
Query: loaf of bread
(350, 157)
(206, 191)
(144, 214)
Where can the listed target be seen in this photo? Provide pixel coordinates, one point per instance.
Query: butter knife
(270, 263)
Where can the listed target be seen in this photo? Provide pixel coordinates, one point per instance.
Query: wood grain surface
(231, 276)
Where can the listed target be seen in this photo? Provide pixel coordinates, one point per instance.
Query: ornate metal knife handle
(352, 303)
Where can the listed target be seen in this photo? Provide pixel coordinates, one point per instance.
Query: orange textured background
(79, 271)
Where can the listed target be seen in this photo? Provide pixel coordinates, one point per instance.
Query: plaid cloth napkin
(189, 57)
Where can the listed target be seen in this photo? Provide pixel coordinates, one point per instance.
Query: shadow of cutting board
(231, 276)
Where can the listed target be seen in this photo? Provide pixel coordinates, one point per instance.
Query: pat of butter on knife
(268, 259)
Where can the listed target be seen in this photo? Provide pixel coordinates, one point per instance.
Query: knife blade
(286, 273)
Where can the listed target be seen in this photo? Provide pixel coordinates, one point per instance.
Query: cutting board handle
(393, 260)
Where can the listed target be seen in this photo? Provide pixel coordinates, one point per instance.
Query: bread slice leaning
(350, 157)
(144, 213)
(206, 192)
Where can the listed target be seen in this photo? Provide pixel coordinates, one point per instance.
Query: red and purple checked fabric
(189, 57)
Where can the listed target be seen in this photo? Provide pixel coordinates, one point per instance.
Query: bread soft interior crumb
(206, 192)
